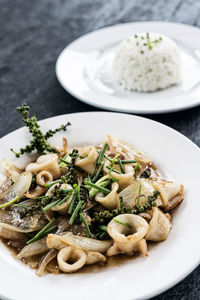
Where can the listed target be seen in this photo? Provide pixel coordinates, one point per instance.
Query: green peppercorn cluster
(55, 194)
(105, 216)
(70, 166)
(39, 141)
(146, 173)
(25, 211)
(84, 195)
(41, 202)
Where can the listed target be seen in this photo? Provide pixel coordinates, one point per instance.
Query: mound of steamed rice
(147, 62)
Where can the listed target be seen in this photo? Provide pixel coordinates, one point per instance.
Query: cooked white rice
(147, 67)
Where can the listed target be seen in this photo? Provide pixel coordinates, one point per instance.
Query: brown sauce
(111, 262)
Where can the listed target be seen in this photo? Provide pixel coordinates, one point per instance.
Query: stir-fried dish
(79, 206)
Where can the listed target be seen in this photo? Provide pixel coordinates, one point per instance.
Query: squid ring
(69, 253)
(43, 177)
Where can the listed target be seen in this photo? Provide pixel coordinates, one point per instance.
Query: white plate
(83, 69)
(140, 278)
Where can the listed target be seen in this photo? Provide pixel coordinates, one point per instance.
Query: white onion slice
(22, 184)
(19, 188)
(45, 260)
(130, 193)
(33, 249)
(35, 227)
(12, 235)
(85, 243)
(10, 170)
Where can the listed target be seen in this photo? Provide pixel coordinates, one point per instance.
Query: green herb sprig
(123, 161)
(122, 223)
(146, 41)
(75, 213)
(43, 232)
(83, 219)
(97, 187)
(15, 199)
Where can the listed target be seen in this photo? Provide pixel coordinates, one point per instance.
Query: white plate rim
(84, 99)
(44, 121)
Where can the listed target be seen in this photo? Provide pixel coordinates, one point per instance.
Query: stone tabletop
(33, 33)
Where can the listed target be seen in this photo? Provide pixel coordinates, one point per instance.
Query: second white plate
(83, 69)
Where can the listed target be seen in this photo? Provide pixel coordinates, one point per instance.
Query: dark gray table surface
(32, 34)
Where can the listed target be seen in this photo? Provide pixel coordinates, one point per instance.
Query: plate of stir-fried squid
(96, 204)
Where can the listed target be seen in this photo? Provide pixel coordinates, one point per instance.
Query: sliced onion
(6, 216)
(11, 220)
(22, 184)
(16, 244)
(130, 193)
(10, 170)
(45, 260)
(12, 235)
(19, 229)
(63, 224)
(5, 185)
(36, 192)
(85, 243)
(37, 247)
(49, 214)
(19, 187)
